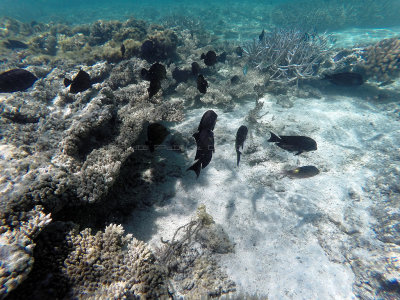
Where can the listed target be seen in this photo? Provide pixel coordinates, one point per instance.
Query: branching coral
(287, 55)
(383, 59)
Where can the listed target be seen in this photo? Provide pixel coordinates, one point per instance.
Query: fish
(345, 79)
(80, 83)
(239, 51)
(207, 121)
(222, 57)
(241, 135)
(16, 80)
(155, 74)
(123, 49)
(294, 143)
(14, 44)
(302, 172)
(205, 141)
(181, 75)
(196, 69)
(156, 134)
(210, 58)
(235, 80)
(245, 70)
(261, 36)
(205, 148)
(202, 84)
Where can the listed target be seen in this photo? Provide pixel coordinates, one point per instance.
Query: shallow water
(331, 236)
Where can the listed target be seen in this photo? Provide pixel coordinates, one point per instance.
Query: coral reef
(18, 230)
(382, 60)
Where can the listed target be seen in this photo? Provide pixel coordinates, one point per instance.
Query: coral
(107, 265)
(160, 45)
(382, 60)
(287, 55)
(16, 246)
(189, 261)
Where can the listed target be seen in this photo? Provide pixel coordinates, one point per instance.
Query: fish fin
(67, 82)
(196, 167)
(274, 138)
(238, 156)
(203, 56)
(300, 152)
(196, 136)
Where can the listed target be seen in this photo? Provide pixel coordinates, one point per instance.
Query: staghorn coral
(382, 60)
(16, 245)
(287, 55)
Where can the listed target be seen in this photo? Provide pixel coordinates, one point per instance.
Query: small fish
(156, 134)
(245, 70)
(261, 36)
(16, 80)
(196, 69)
(80, 83)
(204, 141)
(202, 84)
(295, 143)
(181, 75)
(14, 44)
(222, 57)
(239, 51)
(302, 172)
(210, 58)
(241, 135)
(123, 49)
(345, 79)
(235, 80)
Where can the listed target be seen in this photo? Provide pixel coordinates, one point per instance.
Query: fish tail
(274, 138)
(238, 156)
(196, 167)
(67, 82)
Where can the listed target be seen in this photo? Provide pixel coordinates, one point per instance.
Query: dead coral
(383, 59)
(16, 246)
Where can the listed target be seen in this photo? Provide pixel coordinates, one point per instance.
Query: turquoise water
(75, 155)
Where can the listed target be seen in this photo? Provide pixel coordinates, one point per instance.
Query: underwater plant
(287, 54)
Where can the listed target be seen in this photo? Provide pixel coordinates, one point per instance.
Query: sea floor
(294, 238)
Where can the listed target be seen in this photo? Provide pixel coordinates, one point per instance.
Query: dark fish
(302, 172)
(222, 57)
(156, 134)
(239, 51)
(181, 75)
(80, 83)
(208, 121)
(210, 58)
(235, 80)
(148, 51)
(123, 49)
(261, 36)
(14, 44)
(196, 69)
(155, 74)
(241, 135)
(205, 148)
(345, 79)
(16, 80)
(202, 84)
(204, 141)
(295, 143)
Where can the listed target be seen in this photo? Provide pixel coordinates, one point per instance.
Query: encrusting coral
(16, 246)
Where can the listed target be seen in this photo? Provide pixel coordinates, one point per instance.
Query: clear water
(332, 236)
